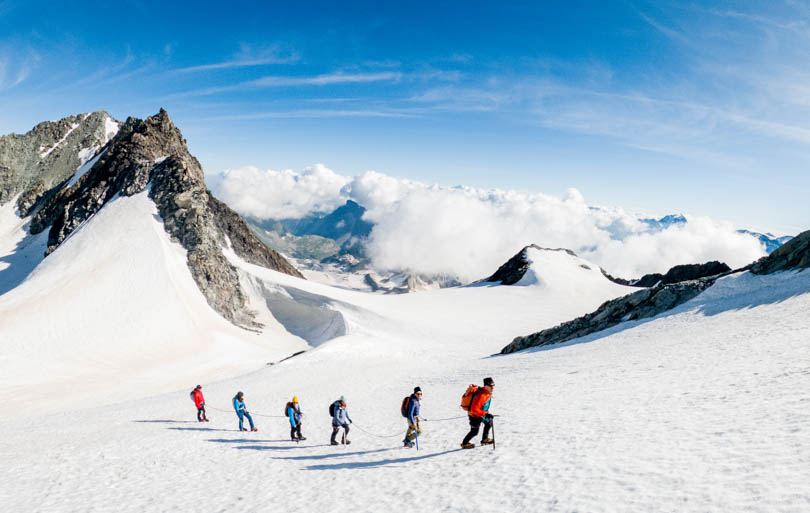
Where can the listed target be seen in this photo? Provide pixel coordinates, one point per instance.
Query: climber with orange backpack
(476, 402)
(410, 410)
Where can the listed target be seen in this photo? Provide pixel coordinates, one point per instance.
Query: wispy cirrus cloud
(15, 68)
(246, 58)
(321, 113)
(338, 77)
(271, 81)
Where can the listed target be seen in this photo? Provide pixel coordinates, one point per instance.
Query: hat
(416, 390)
(295, 399)
(488, 382)
(342, 399)
(198, 387)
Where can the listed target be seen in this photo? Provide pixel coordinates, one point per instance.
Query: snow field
(704, 408)
(693, 411)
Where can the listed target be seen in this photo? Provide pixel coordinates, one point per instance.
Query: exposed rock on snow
(795, 254)
(515, 268)
(639, 305)
(153, 152)
(677, 274)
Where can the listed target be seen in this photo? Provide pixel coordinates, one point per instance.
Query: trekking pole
(492, 420)
(416, 435)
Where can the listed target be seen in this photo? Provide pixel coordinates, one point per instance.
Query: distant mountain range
(327, 236)
(317, 236)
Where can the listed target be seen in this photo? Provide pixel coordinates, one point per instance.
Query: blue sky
(700, 107)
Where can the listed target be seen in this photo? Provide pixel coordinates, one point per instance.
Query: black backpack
(287, 408)
(191, 394)
(332, 410)
(405, 406)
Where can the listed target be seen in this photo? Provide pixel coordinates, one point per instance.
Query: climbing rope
(252, 413)
(375, 435)
(448, 418)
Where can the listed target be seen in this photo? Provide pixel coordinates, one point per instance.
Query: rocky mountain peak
(515, 268)
(152, 153)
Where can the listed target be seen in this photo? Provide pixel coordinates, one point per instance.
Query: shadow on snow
(378, 463)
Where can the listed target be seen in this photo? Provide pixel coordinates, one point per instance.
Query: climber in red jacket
(199, 402)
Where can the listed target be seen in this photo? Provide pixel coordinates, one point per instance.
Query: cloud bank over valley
(469, 232)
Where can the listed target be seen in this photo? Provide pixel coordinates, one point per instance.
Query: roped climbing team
(476, 401)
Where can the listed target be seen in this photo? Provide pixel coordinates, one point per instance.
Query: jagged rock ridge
(153, 153)
(34, 165)
(638, 305)
(677, 274)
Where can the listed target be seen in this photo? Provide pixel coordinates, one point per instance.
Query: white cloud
(279, 194)
(469, 232)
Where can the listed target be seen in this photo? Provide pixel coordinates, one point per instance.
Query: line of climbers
(475, 401)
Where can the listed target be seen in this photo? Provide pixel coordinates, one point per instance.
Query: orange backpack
(466, 399)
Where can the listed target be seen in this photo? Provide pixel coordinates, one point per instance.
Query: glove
(350, 421)
(488, 417)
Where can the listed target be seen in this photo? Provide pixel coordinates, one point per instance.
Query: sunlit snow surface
(705, 408)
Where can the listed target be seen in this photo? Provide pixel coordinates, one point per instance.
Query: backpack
(466, 399)
(406, 405)
(332, 410)
(286, 408)
(191, 394)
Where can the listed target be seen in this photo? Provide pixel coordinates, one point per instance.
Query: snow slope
(114, 311)
(704, 408)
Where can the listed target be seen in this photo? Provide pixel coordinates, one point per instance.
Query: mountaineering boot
(468, 446)
(486, 441)
(301, 438)
(254, 429)
(347, 442)
(205, 420)
(335, 443)
(408, 444)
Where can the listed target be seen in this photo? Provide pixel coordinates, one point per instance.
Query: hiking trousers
(295, 431)
(475, 423)
(242, 416)
(413, 430)
(201, 413)
(335, 429)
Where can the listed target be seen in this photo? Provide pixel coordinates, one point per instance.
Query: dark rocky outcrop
(152, 153)
(638, 305)
(676, 274)
(794, 254)
(513, 270)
